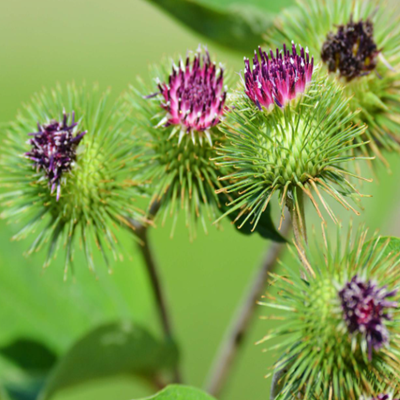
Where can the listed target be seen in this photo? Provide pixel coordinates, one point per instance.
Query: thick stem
(239, 327)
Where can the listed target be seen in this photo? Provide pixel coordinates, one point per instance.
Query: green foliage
(117, 348)
(176, 392)
(265, 227)
(321, 358)
(30, 355)
(97, 195)
(236, 27)
(301, 148)
(377, 94)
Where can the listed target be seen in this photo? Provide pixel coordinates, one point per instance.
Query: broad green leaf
(30, 355)
(112, 349)
(177, 392)
(238, 27)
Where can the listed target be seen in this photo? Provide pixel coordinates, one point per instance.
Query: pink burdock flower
(366, 308)
(54, 149)
(194, 96)
(277, 78)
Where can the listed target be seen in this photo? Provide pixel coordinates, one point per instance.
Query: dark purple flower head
(365, 307)
(277, 78)
(54, 149)
(352, 51)
(383, 397)
(194, 96)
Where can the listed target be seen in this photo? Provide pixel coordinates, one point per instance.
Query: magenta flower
(194, 96)
(279, 78)
(54, 149)
(365, 307)
(383, 397)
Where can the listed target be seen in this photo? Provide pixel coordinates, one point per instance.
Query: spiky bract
(302, 148)
(322, 359)
(376, 94)
(97, 192)
(176, 161)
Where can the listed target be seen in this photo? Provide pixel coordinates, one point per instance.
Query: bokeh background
(43, 42)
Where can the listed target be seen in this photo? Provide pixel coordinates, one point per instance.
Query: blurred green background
(43, 42)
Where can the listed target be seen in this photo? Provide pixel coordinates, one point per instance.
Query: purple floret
(352, 51)
(277, 78)
(194, 96)
(54, 149)
(365, 308)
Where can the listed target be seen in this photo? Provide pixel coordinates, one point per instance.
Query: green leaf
(111, 349)
(265, 227)
(26, 390)
(177, 392)
(239, 27)
(30, 355)
(3, 394)
(392, 245)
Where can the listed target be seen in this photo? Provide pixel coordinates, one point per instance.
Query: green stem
(145, 249)
(239, 327)
(296, 209)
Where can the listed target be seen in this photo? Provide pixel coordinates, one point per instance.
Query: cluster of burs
(314, 104)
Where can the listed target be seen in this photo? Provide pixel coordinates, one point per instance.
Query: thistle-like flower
(277, 79)
(365, 307)
(330, 317)
(383, 397)
(193, 98)
(179, 146)
(358, 44)
(299, 146)
(70, 181)
(352, 51)
(54, 149)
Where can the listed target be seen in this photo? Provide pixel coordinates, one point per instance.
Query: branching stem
(241, 322)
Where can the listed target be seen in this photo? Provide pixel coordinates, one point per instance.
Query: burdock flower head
(339, 335)
(277, 78)
(177, 129)
(366, 309)
(358, 43)
(66, 172)
(54, 149)
(193, 97)
(352, 51)
(290, 133)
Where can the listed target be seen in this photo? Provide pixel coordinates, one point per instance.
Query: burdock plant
(290, 133)
(66, 173)
(176, 121)
(339, 334)
(358, 43)
(301, 119)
